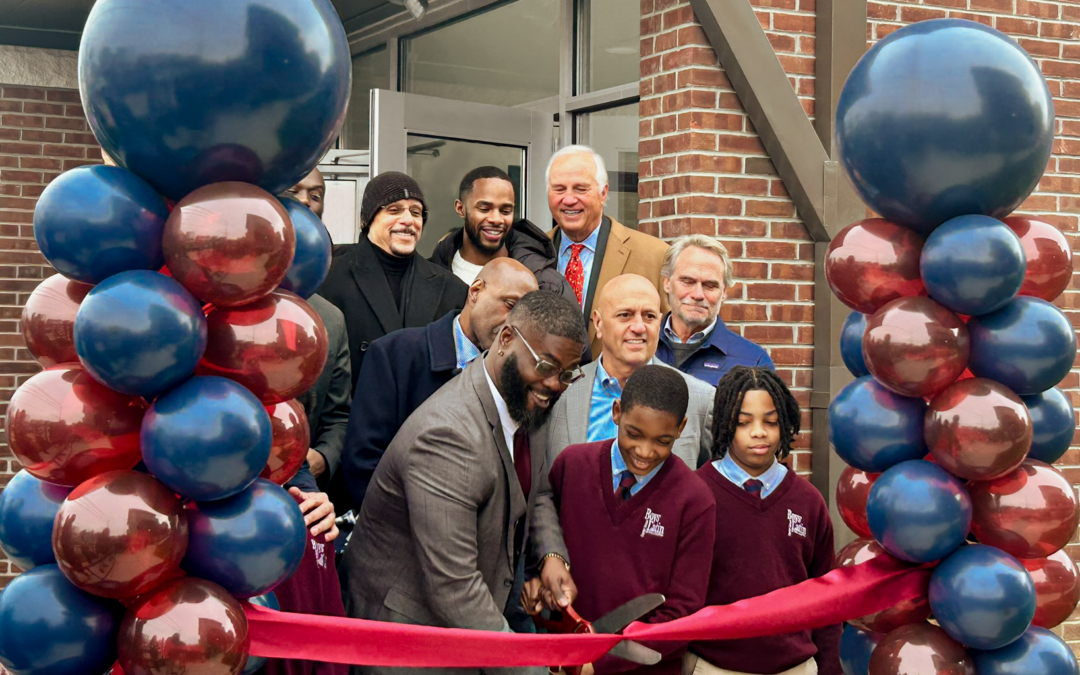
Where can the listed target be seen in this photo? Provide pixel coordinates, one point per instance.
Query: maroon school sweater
(763, 545)
(658, 541)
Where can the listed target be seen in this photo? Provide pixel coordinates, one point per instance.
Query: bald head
(627, 322)
(494, 292)
(310, 192)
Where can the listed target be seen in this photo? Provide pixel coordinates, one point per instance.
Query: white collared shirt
(509, 425)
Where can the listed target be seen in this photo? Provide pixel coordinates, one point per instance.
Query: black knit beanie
(385, 189)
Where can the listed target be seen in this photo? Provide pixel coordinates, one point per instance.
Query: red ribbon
(843, 594)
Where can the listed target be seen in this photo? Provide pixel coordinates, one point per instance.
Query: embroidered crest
(652, 524)
(795, 524)
(320, 553)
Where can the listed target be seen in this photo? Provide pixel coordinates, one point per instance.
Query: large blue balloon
(28, 507)
(207, 439)
(140, 333)
(246, 90)
(1028, 345)
(1053, 423)
(973, 264)
(918, 511)
(851, 344)
(311, 263)
(872, 428)
(856, 646)
(95, 221)
(982, 597)
(270, 601)
(248, 543)
(944, 118)
(1038, 651)
(50, 627)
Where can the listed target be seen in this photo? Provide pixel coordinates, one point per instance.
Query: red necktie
(626, 483)
(523, 461)
(575, 272)
(753, 486)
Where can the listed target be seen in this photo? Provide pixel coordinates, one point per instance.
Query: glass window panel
(613, 133)
(610, 35)
(371, 70)
(508, 55)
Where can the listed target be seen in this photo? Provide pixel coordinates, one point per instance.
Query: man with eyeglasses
(462, 492)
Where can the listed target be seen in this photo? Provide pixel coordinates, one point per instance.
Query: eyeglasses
(546, 369)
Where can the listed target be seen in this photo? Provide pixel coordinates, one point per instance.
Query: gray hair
(697, 241)
(601, 168)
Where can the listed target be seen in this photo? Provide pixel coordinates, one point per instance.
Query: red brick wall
(42, 133)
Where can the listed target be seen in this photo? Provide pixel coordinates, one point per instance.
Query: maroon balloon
(120, 534)
(229, 243)
(920, 649)
(65, 427)
(978, 429)
(1029, 513)
(276, 346)
(184, 626)
(48, 320)
(911, 611)
(915, 347)
(1049, 257)
(1057, 588)
(873, 262)
(852, 490)
(292, 438)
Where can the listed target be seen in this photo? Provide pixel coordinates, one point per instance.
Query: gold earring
(500, 352)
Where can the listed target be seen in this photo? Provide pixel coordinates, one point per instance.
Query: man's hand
(558, 588)
(531, 600)
(317, 508)
(316, 462)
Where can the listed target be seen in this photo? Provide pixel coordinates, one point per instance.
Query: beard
(472, 231)
(693, 322)
(516, 395)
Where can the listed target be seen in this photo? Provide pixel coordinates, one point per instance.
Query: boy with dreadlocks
(772, 530)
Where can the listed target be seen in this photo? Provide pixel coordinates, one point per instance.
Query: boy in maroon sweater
(635, 519)
(774, 532)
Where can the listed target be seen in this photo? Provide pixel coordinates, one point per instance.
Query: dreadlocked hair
(727, 403)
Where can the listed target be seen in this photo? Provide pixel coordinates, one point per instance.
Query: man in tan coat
(594, 248)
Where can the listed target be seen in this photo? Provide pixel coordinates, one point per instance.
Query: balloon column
(945, 127)
(178, 337)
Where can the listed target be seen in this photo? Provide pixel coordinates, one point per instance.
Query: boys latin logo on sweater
(652, 524)
(794, 524)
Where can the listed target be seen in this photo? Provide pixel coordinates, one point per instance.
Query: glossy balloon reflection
(915, 610)
(28, 507)
(943, 119)
(855, 649)
(920, 649)
(313, 251)
(851, 336)
(229, 243)
(973, 264)
(915, 347)
(872, 428)
(48, 320)
(120, 534)
(50, 627)
(1037, 651)
(140, 333)
(248, 90)
(872, 262)
(852, 490)
(276, 347)
(187, 626)
(977, 429)
(292, 438)
(270, 601)
(1049, 257)
(207, 439)
(1052, 422)
(1057, 587)
(982, 597)
(1029, 513)
(65, 427)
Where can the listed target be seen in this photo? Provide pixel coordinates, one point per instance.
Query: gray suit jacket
(434, 544)
(328, 401)
(569, 423)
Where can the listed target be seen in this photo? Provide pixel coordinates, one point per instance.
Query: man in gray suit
(627, 321)
(462, 488)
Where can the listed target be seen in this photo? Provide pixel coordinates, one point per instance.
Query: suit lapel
(579, 405)
(425, 291)
(608, 266)
(371, 280)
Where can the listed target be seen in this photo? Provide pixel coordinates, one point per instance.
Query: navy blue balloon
(207, 439)
(1028, 345)
(918, 511)
(28, 506)
(246, 90)
(851, 344)
(944, 118)
(856, 646)
(973, 264)
(95, 221)
(1038, 651)
(248, 543)
(1052, 422)
(311, 263)
(872, 428)
(982, 597)
(270, 601)
(140, 333)
(50, 627)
